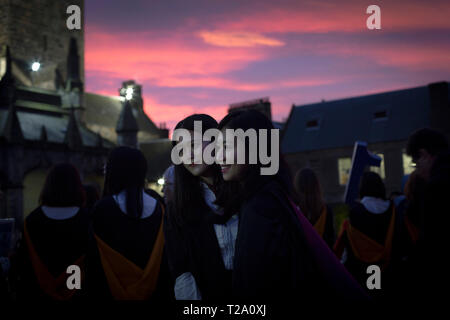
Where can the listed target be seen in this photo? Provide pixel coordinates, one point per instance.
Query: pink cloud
(407, 55)
(172, 114)
(159, 58)
(213, 55)
(340, 16)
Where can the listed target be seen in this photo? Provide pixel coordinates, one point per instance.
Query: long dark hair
(126, 170)
(372, 186)
(253, 180)
(310, 198)
(62, 187)
(188, 200)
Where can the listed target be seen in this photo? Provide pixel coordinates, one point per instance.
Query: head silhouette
(126, 170)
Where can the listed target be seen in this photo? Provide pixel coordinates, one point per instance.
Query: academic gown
(329, 234)
(58, 244)
(279, 256)
(194, 248)
(374, 226)
(133, 238)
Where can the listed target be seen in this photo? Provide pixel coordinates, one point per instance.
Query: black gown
(132, 238)
(194, 248)
(329, 234)
(58, 243)
(279, 256)
(375, 226)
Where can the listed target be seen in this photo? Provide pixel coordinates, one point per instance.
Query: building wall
(36, 30)
(440, 107)
(4, 12)
(26, 166)
(325, 164)
(33, 183)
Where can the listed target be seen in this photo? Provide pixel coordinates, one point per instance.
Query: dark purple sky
(195, 56)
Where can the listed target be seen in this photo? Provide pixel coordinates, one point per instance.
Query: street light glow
(129, 93)
(35, 66)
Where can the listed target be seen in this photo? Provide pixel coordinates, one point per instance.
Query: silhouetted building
(46, 117)
(322, 135)
(262, 104)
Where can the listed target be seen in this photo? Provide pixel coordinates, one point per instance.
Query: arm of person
(186, 288)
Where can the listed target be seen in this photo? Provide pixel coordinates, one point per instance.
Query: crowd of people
(226, 232)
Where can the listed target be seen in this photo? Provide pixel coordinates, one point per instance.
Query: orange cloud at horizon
(238, 39)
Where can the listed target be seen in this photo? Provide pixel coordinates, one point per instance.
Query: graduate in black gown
(55, 236)
(200, 239)
(278, 256)
(312, 204)
(368, 235)
(127, 259)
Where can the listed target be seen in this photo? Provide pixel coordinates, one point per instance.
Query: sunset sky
(198, 56)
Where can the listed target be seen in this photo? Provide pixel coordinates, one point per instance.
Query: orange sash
(320, 223)
(364, 248)
(126, 280)
(54, 287)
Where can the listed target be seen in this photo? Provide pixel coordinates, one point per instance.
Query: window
(380, 169)
(344, 166)
(408, 164)
(380, 115)
(312, 124)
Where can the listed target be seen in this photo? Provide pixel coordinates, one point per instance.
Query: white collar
(149, 203)
(210, 197)
(60, 213)
(375, 205)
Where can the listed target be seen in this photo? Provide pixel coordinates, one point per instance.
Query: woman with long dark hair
(55, 236)
(200, 237)
(278, 255)
(127, 260)
(312, 204)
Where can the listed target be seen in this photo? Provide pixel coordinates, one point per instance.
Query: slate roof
(37, 108)
(387, 116)
(55, 125)
(102, 114)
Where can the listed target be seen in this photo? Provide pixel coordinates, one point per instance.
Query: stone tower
(35, 30)
(127, 127)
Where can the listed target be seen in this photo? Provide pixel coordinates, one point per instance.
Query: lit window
(380, 169)
(408, 164)
(344, 166)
